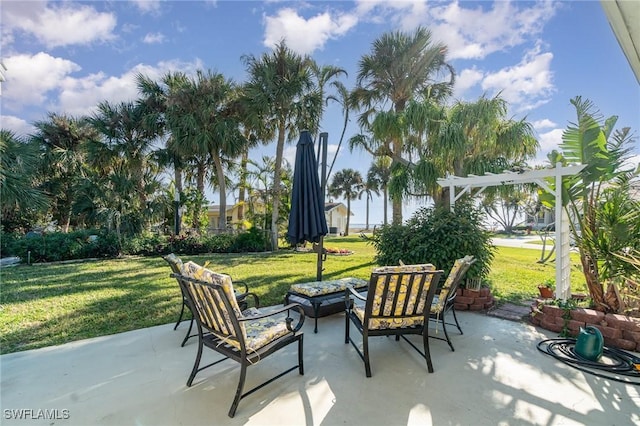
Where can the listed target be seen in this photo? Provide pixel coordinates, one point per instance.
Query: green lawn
(44, 305)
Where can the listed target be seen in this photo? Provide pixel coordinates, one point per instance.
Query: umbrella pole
(324, 137)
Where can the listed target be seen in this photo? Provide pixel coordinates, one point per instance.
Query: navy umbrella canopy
(306, 219)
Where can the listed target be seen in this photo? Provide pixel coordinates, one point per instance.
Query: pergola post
(563, 264)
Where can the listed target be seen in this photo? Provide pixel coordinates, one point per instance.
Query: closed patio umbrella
(306, 219)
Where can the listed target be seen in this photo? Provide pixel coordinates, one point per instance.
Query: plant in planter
(547, 289)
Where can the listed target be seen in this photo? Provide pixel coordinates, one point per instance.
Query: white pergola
(563, 265)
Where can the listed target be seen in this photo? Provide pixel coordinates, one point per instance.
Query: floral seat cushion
(320, 288)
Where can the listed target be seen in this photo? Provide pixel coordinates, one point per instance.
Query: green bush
(56, 246)
(219, 243)
(146, 244)
(437, 236)
(252, 240)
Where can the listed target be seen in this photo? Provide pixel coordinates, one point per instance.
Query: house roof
(330, 206)
(624, 18)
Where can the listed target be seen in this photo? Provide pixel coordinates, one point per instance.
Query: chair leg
(300, 357)
(425, 344)
(365, 347)
(446, 335)
(186, 337)
(236, 400)
(455, 318)
(346, 327)
(196, 364)
(179, 317)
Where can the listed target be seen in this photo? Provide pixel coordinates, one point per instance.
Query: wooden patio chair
(443, 301)
(245, 337)
(176, 267)
(396, 304)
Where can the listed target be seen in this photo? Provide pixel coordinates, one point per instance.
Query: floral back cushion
(211, 309)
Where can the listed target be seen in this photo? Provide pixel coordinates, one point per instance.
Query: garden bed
(619, 331)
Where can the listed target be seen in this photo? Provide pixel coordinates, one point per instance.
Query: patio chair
(396, 304)
(245, 337)
(176, 267)
(443, 301)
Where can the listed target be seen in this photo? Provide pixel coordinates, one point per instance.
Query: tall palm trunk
(222, 189)
(243, 183)
(200, 174)
(367, 224)
(276, 186)
(346, 231)
(385, 192)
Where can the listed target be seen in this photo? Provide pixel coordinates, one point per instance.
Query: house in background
(336, 215)
(233, 214)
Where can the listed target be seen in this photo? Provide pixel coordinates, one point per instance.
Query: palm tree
(369, 187)
(200, 113)
(282, 92)
(380, 173)
(603, 216)
(346, 183)
(18, 192)
(62, 140)
(124, 164)
(467, 138)
(400, 68)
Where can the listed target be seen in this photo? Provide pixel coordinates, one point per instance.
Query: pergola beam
(563, 285)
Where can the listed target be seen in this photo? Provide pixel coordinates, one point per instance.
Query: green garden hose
(615, 364)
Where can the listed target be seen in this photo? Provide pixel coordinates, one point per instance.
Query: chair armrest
(350, 291)
(242, 283)
(348, 302)
(289, 320)
(242, 296)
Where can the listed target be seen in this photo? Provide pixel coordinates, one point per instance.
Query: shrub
(56, 246)
(252, 240)
(437, 236)
(146, 244)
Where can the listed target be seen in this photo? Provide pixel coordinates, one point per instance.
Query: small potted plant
(547, 289)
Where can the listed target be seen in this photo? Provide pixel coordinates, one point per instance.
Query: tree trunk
(386, 205)
(243, 184)
(346, 231)
(222, 189)
(367, 224)
(200, 187)
(276, 186)
(596, 290)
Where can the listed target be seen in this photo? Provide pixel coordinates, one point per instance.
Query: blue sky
(67, 56)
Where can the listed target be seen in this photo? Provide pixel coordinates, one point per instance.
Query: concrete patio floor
(496, 376)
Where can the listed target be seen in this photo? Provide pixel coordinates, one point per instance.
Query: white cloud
(153, 38)
(31, 77)
(147, 6)
(17, 125)
(469, 33)
(525, 85)
(80, 96)
(305, 35)
(465, 80)
(59, 24)
(45, 82)
(543, 124)
(548, 142)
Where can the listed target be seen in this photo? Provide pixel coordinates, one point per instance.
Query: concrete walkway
(496, 376)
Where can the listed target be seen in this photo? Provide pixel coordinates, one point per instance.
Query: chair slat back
(447, 291)
(213, 298)
(401, 292)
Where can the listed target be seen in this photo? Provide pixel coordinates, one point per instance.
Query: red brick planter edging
(619, 331)
(473, 300)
